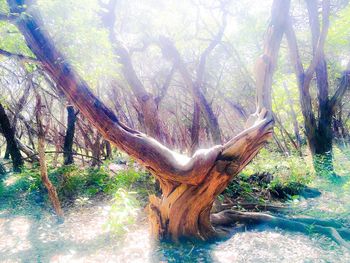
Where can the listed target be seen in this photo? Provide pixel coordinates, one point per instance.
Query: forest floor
(30, 233)
(28, 237)
(33, 235)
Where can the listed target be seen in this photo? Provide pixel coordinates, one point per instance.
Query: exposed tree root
(306, 225)
(251, 207)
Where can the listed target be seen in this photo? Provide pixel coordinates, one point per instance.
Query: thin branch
(339, 93)
(8, 17)
(18, 56)
(294, 51)
(214, 42)
(166, 85)
(59, 152)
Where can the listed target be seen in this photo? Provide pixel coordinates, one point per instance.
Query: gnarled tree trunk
(189, 184)
(183, 211)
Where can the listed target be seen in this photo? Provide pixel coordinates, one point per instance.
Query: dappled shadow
(183, 252)
(333, 203)
(27, 239)
(29, 231)
(39, 250)
(31, 234)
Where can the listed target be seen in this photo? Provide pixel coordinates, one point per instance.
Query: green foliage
(21, 190)
(339, 31)
(92, 181)
(271, 173)
(124, 179)
(4, 9)
(342, 160)
(73, 183)
(284, 168)
(77, 32)
(12, 40)
(80, 186)
(123, 212)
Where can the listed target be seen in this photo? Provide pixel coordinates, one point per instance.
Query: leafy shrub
(281, 176)
(73, 182)
(123, 212)
(285, 169)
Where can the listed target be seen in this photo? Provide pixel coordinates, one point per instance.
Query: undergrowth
(128, 188)
(271, 175)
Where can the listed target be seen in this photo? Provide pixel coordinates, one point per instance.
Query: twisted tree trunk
(183, 211)
(189, 184)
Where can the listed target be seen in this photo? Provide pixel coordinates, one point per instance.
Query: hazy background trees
(190, 104)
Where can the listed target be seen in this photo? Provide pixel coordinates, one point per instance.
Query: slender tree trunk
(18, 108)
(279, 144)
(108, 150)
(68, 139)
(322, 145)
(7, 152)
(96, 151)
(30, 135)
(9, 135)
(58, 146)
(294, 116)
(284, 130)
(42, 161)
(287, 151)
(195, 128)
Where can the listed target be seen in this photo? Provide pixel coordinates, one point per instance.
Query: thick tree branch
(266, 64)
(240, 144)
(294, 52)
